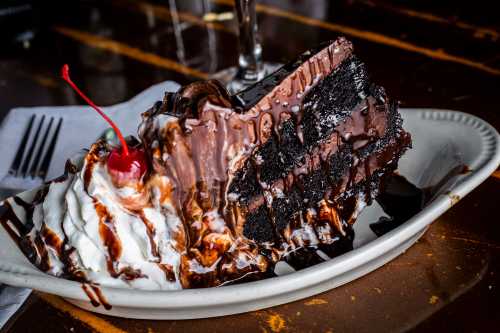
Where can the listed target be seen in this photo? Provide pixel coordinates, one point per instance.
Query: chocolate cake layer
(350, 130)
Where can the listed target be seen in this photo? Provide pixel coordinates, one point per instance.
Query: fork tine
(38, 155)
(20, 151)
(29, 155)
(44, 168)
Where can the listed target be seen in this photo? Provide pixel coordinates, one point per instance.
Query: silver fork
(33, 157)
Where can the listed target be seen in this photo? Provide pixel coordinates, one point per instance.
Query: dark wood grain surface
(425, 53)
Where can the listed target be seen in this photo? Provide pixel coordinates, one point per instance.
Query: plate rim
(317, 274)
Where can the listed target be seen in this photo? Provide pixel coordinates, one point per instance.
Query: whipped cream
(119, 248)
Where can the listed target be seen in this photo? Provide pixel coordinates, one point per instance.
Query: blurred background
(426, 53)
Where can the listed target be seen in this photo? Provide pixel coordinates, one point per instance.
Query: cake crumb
(430, 255)
(353, 298)
(378, 290)
(276, 322)
(433, 300)
(458, 268)
(453, 197)
(316, 301)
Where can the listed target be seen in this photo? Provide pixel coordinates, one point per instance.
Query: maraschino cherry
(125, 165)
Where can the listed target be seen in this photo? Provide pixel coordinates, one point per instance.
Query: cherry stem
(65, 76)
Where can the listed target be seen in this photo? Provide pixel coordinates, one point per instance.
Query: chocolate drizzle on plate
(14, 227)
(95, 296)
(401, 200)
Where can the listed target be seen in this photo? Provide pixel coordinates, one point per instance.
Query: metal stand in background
(250, 68)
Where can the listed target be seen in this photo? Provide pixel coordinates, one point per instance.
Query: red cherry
(134, 163)
(124, 169)
(125, 165)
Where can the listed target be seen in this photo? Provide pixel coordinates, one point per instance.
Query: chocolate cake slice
(285, 165)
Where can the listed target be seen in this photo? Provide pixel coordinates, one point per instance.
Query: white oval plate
(441, 140)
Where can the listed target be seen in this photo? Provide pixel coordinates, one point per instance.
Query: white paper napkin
(11, 299)
(80, 128)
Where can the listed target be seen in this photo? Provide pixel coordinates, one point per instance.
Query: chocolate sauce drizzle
(109, 237)
(150, 230)
(95, 296)
(112, 243)
(14, 227)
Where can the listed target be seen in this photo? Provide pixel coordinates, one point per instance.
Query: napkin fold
(81, 126)
(11, 299)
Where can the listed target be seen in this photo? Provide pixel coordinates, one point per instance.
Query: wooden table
(426, 54)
